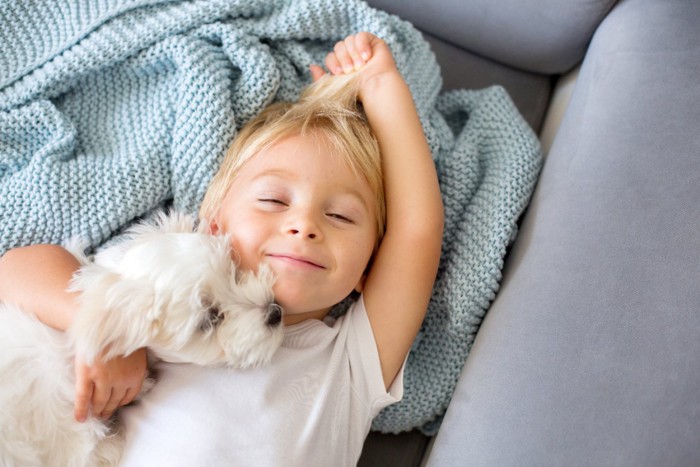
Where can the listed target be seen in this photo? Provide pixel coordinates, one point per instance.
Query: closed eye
(340, 217)
(272, 201)
(271, 205)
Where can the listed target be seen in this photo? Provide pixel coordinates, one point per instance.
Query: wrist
(382, 85)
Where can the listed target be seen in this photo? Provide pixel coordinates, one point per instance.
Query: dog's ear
(113, 316)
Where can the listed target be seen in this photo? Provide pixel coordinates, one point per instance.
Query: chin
(298, 306)
(299, 298)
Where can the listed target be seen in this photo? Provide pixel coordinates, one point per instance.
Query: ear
(213, 227)
(207, 227)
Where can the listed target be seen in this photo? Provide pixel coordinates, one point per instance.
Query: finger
(112, 404)
(341, 53)
(129, 396)
(83, 396)
(316, 72)
(379, 46)
(100, 397)
(333, 65)
(363, 45)
(352, 51)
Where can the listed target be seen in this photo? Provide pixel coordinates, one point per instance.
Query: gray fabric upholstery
(464, 70)
(398, 450)
(590, 353)
(542, 36)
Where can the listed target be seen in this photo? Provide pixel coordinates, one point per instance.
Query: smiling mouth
(295, 260)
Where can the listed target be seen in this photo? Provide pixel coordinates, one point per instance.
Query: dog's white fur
(168, 288)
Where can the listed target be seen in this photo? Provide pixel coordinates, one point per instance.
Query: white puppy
(166, 287)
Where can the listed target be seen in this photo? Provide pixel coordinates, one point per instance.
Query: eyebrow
(274, 173)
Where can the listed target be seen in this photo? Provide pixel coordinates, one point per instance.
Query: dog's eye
(212, 317)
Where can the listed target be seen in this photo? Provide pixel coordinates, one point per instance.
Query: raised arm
(399, 285)
(36, 278)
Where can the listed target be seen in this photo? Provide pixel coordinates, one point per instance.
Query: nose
(310, 235)
(302, 224)
(274, 315)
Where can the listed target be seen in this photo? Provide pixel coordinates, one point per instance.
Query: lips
(295, 260)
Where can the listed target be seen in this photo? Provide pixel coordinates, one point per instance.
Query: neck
(289, 319)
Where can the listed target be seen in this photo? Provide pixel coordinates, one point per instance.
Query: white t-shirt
(311, 406)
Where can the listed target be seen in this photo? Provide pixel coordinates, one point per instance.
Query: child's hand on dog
(106, 386)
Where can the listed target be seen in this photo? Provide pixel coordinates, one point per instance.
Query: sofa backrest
(540, 36)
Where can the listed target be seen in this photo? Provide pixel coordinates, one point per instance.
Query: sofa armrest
(590, 353)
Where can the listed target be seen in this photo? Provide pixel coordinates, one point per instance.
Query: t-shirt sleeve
(366, 369)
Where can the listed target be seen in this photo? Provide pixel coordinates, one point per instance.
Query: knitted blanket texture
(111, 109)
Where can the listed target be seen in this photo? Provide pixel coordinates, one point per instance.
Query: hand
(364, 53)
(108, 385)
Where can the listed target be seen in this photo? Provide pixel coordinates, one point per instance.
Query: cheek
(359, 255)
(246, 240)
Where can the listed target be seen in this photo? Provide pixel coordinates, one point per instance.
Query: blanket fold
(127, 105)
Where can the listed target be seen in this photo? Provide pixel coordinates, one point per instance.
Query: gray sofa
(590, 353)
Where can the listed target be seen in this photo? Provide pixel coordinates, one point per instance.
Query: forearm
(406, 263)
(35, 278)
(414, 203)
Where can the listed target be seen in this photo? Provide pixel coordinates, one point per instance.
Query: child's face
(307, 215)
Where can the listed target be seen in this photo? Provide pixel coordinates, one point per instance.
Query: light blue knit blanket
(111, 109)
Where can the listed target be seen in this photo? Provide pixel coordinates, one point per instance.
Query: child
(304, 190)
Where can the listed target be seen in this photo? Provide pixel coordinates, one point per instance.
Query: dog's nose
(274, 315)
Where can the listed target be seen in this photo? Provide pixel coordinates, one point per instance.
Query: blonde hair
(328, 109)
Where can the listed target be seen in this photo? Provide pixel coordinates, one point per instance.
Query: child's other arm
(399, 285)
(36, 278)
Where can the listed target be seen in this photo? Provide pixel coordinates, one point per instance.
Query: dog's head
(178, 292)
